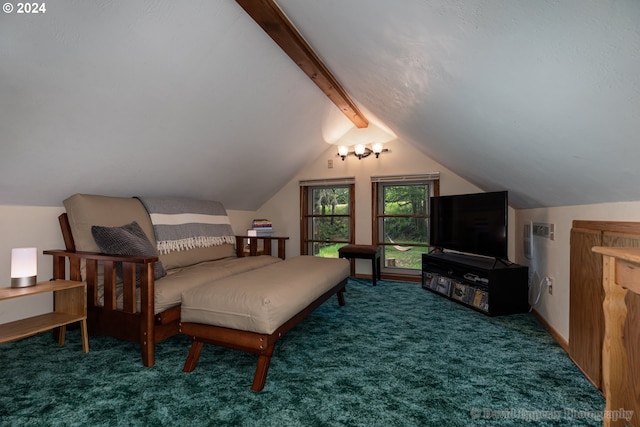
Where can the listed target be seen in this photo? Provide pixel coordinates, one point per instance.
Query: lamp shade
(24, 267)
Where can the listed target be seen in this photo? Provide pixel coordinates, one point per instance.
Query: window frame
(378, 216)
(307, 215)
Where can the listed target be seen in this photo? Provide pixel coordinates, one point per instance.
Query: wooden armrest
(136, 259)
(60, 255)
(266, 249)
(135, 269)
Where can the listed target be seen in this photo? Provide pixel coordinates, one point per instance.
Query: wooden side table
(251, 247)
(70, 306)
(372, 252)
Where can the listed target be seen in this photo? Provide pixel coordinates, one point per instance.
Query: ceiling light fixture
(361, 151)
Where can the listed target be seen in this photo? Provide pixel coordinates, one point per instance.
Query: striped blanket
(182, 224)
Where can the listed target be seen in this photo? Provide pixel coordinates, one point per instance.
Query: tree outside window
(401, 223)
(327, 219)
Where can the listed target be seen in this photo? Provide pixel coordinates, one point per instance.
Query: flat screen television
(470, 223)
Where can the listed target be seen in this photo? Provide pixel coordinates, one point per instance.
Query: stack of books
(261, 228)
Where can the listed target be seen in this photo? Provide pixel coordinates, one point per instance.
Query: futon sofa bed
(141, 256)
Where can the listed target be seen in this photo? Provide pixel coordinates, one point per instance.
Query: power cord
(543, 280)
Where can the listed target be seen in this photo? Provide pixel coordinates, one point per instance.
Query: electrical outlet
(550, 285)
(330, 164)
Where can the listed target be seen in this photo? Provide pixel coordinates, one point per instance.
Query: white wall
(284, 208)
(553, 256)
(38, 226)
(22, 226)
(27, 226)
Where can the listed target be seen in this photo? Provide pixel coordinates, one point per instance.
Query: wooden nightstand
(70, 306)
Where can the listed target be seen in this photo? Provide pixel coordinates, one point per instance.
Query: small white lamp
(24, 267)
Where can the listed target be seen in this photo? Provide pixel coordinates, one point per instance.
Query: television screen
(470, 223)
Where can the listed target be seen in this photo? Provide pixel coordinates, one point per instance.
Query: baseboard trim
(394, 277)
(554, 334)
(401, 277)
(565, 346)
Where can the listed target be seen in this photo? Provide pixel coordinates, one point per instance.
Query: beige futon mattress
(262, 300)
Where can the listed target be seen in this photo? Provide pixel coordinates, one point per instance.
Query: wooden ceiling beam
(275, 23)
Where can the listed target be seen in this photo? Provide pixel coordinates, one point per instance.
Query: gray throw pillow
(128, 239)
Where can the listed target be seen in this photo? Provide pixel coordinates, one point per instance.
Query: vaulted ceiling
(193, 98)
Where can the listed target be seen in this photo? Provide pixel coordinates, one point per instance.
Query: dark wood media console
(484, 284)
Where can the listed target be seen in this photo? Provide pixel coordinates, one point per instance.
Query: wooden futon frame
(252, 342)
(128, 323)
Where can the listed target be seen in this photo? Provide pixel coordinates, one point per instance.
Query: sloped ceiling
(162, 98)
(192, 98)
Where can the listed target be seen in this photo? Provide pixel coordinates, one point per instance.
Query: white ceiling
(192, 98)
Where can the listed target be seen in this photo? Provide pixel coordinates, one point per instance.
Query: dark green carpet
(395, 355)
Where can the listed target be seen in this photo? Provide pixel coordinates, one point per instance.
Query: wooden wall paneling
(586, 317)
(619, 227)
(620, 240)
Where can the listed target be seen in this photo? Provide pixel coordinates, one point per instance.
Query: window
(327, 216)
(401, 220)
